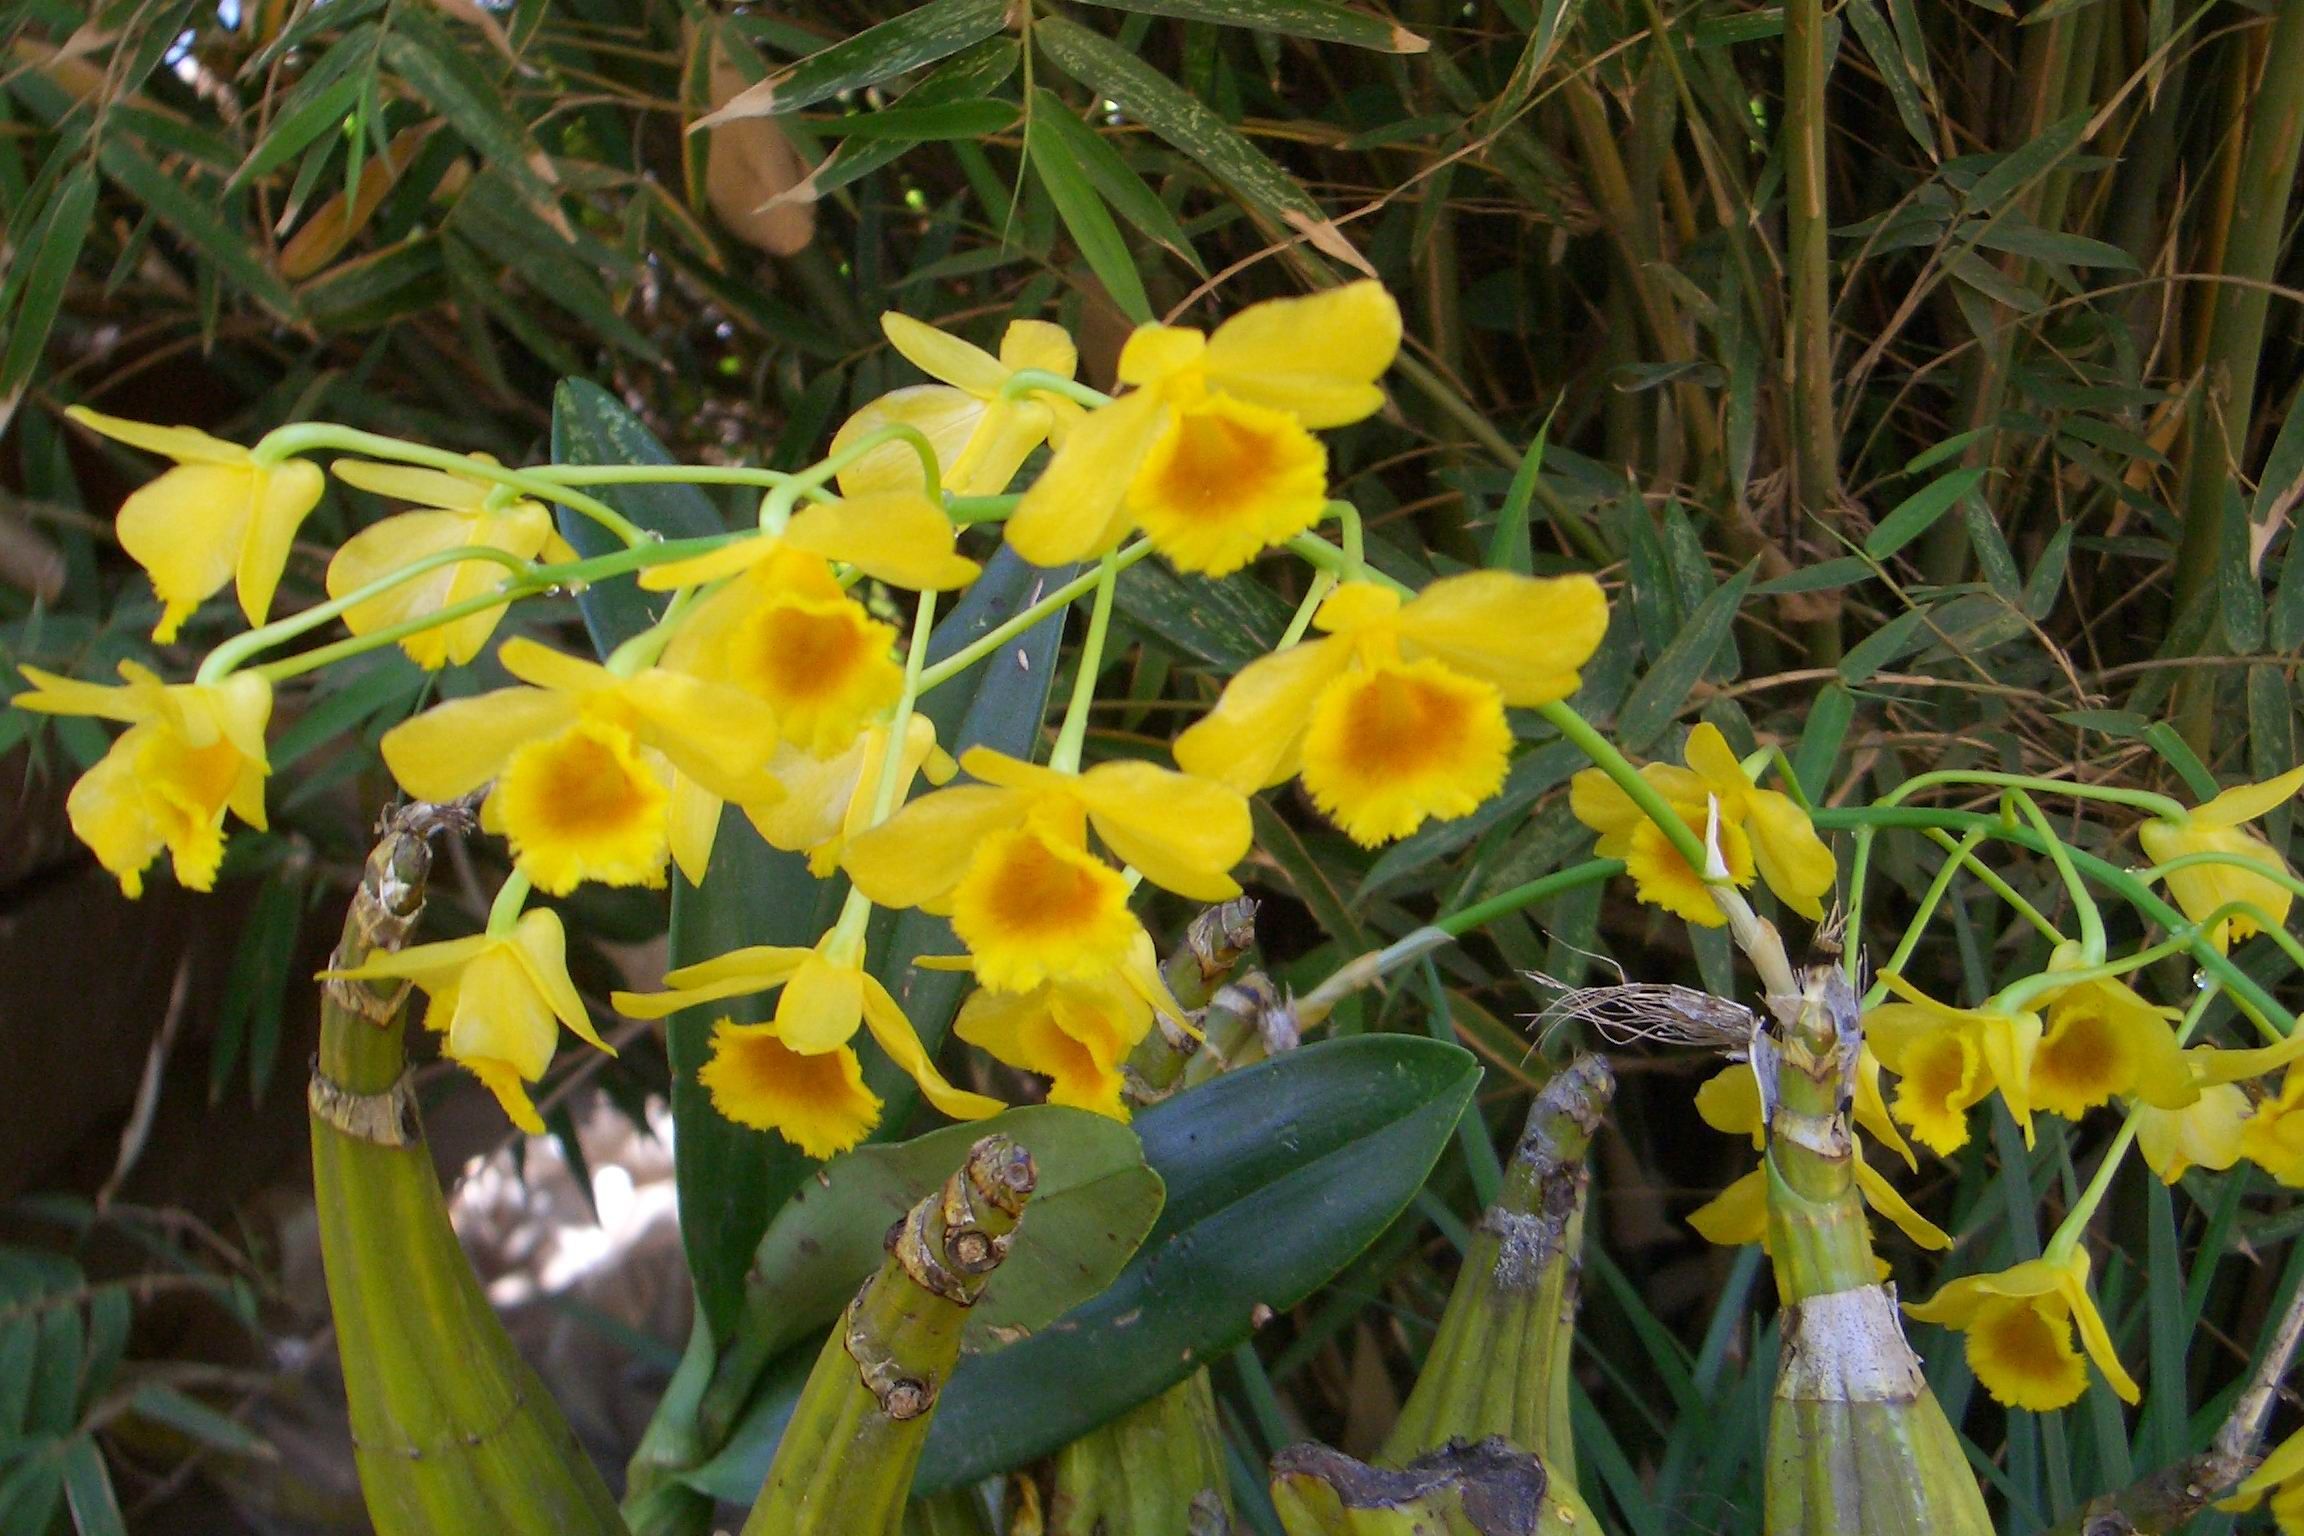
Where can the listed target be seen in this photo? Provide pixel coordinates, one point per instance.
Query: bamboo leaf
(1900, 636)
(1176, 116)
(46, 275)
(1887, 55)
(1110, 175)
(2019, 167)
(445, 77)
(88, 1490)
(1314, 19)
(921, 36)
(919, 124)
(193, 214)
(1086, 217)
(968, 75)
(1918, 512)
(1657, 697)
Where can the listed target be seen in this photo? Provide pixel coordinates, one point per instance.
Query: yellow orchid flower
(829, 800)
(1007, 859)
(218, 516)
(453, 513)
(2100, 1041)
(899, 537)
(1729, 1102)
(2019, 1325)
(981, 440)
(583, 761)
(2219, 827)
(1074, 1031)
(2273, 1137)
(191, 752)
(2209, 1132)
(1761, 830)
(2280, 1474)
(1210, 452)
(1398, 714)
(786, 634)
(1948, 1059)
(797, 1074)
(499, 999)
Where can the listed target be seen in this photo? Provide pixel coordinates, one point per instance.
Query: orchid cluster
(779, 681)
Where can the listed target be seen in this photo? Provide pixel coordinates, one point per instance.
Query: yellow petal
(1039, 345)
(692, 826)
(944, 356)
(1181, 833)
(1600, 803)
(1526, 635)
(545, 667)
(1393, 746)
(1709, 754)
(378, 550)
(1254, 737)
(56, 695)
(739, 973)
(1154, 354)
(584, 804)
(1794, 861)
(411, 483)
(2022, 1353)
(817, 1103)
(896, 1036)
(948, 418)
(2246, 802)
(541, 944)
(430, 966)
(503, 1080)
(2093, 1336)
(187, 529)
(1225, 481)
(1031, 907)
(1871, 1109)
(1076, 508)
(821, 1006)
(280, 499)
(186, 445)
(453, 748)
(1882, 1197)
(1729, 1101)
(2211, 1132)
(499, 1014)
(720, 736)
(728, 560)
(899, 537)
(1003, 438)
(1316, 357)
(919, 856)
(1737, 1215)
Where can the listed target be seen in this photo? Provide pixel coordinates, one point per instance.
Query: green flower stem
(969, 510)
(1591, 872)
(1322, 555)
(1930, 899)
(1354, 537)
(2018, 995)
(892, 756)
(2083, 905)
(504, 911)
(2139, 799)
(1859, 869)
(1323, 583)
(220, 663)
(2067, 1235)
(776, 507)
(1066, 756)
(306, 436)
(663, 474)
(1619, 768)
(1025, 381)
(537, 578)
(641, 651)
(1064, 596)
(2244, 989)
(1965, 853)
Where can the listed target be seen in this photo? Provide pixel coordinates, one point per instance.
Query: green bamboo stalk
(1157, 1470)
(451, 1431)
(1807, 245)
(2224, 406)
(844, 1466)
(1500, 1364)
(1855, 1439)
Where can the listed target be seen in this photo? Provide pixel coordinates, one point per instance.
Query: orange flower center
(1215, 463)
(2082, 1060)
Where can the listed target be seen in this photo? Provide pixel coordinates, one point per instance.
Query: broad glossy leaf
(919, 36)
(592, 426)
(1095, 1201)
(1319, 20)
(1227, 624)
(1278, 1176)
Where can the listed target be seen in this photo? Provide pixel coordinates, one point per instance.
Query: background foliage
(1922, 375)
